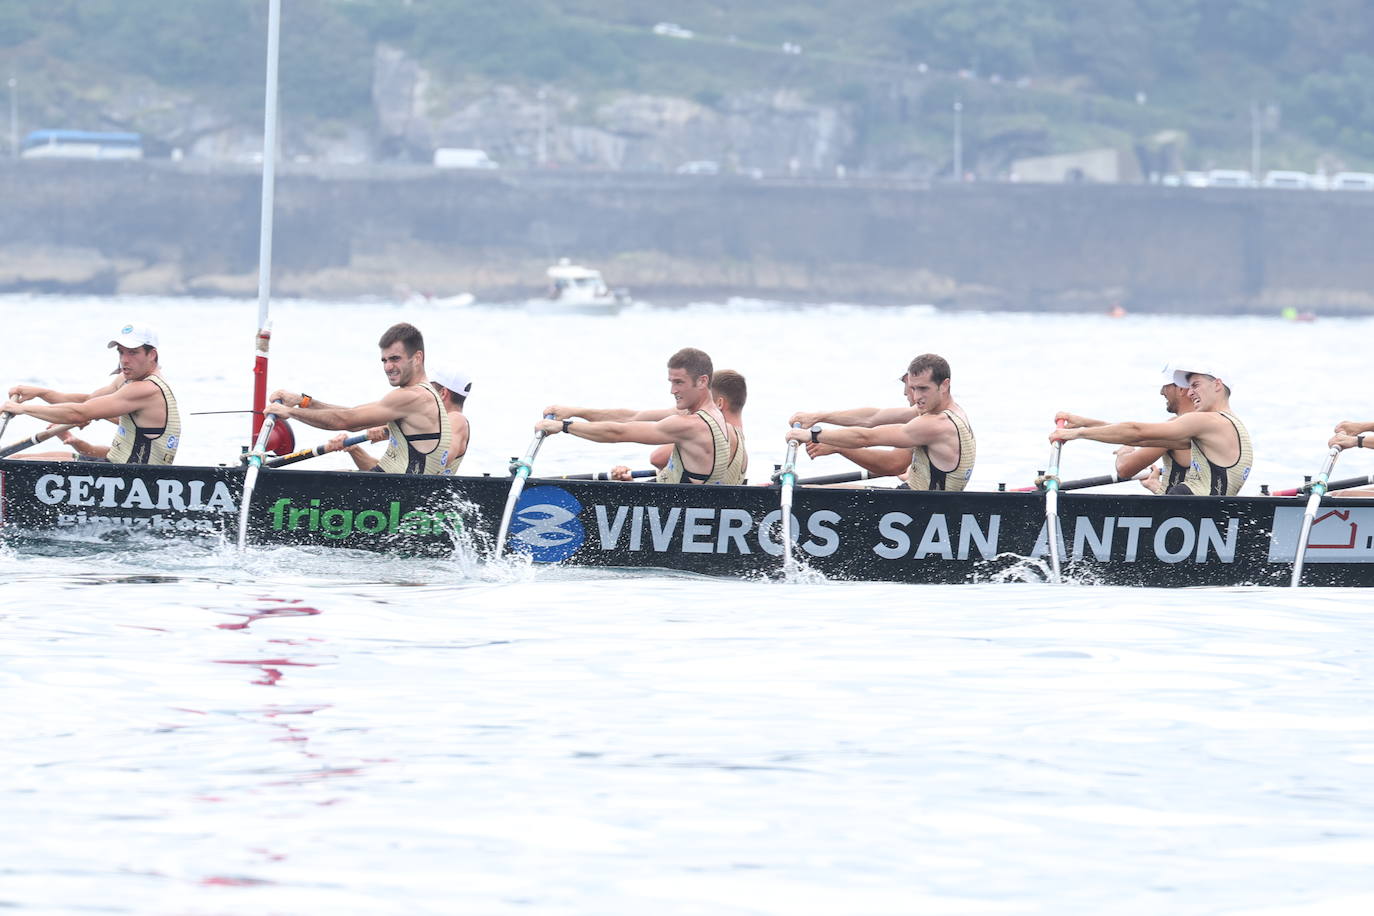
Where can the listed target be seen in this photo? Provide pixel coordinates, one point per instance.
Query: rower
(1131, 460)
(417, 424)
(1220, 454)
(705, 447)
(878, 462)
(453, 386)
(139, 400)
(729, 392)
(938, 434)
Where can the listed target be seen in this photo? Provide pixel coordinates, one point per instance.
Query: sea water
(187, 729)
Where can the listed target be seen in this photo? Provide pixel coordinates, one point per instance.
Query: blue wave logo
(545, 524)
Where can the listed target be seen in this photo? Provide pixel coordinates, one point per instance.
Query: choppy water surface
(189, 730)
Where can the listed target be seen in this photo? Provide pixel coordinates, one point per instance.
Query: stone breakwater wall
(174, 228)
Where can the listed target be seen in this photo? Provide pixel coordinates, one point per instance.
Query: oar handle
(303, 454)
(605, 475)
(822, 480)
(36, 438)
(1082, 483)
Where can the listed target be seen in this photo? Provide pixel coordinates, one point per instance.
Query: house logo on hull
(1338, 536)
(545, 525)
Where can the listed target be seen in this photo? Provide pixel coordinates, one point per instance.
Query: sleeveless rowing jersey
(134, 444)
(734, 472)
(402, 457)
(455, 460)
(1207, 478)
(674, 472)
(924, 475)
(1172, 472)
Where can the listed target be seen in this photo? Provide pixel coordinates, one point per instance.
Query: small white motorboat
(576, 288)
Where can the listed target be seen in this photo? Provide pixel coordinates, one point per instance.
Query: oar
(520, 470)
(35, 439)
(1052, 505)
(250, 479)
(5, 419)
(1084, 482)
(1319, 487)
(604, 475)
(318, 450)
(787, 477)
(1346, 483)
(214, 413)
(846, 477)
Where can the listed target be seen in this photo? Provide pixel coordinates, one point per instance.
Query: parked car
(1279, 178)
(699, 167)
(1230, 178)
(1352, 181)
(672, 30)
(453, 157)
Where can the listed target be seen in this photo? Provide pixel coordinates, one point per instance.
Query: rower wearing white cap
(1220, 452)
(453, 387)
(139, 400)
(1131, 460)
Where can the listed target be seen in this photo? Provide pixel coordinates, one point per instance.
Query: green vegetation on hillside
(1062, 73)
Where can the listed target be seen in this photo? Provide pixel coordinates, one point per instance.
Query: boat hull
(874, 534)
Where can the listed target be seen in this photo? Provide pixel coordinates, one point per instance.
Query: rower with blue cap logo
(1216, 444)
(139, 401)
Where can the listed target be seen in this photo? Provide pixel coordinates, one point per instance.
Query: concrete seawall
(158, 227)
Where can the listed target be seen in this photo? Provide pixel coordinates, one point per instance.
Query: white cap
(1200, 367)
(1168, 371)
(135, 335)
(455, 380)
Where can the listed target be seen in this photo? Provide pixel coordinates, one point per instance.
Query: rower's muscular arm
(1131, 461)
(878, 462)
(923, 430)
(855, 416)
(1175, 433)
(125, 399)
(605, 414)
(667, 431)
(395, 406)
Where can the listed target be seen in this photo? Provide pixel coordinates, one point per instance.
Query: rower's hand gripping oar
(250, 479)
(520, 470)
(787, 479)
(36, 438)
(1319, 488)
(1052, 505)
(315, 452)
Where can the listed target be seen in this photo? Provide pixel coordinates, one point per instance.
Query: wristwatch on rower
(1359, 440)
(815, 434)
(566, 424)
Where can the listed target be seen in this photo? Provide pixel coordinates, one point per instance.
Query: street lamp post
(14, 118)
(958, 141)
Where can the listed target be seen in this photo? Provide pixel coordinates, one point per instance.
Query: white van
(1230, 178)
(1352, 181)
(453, 157)
(1279, 178)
